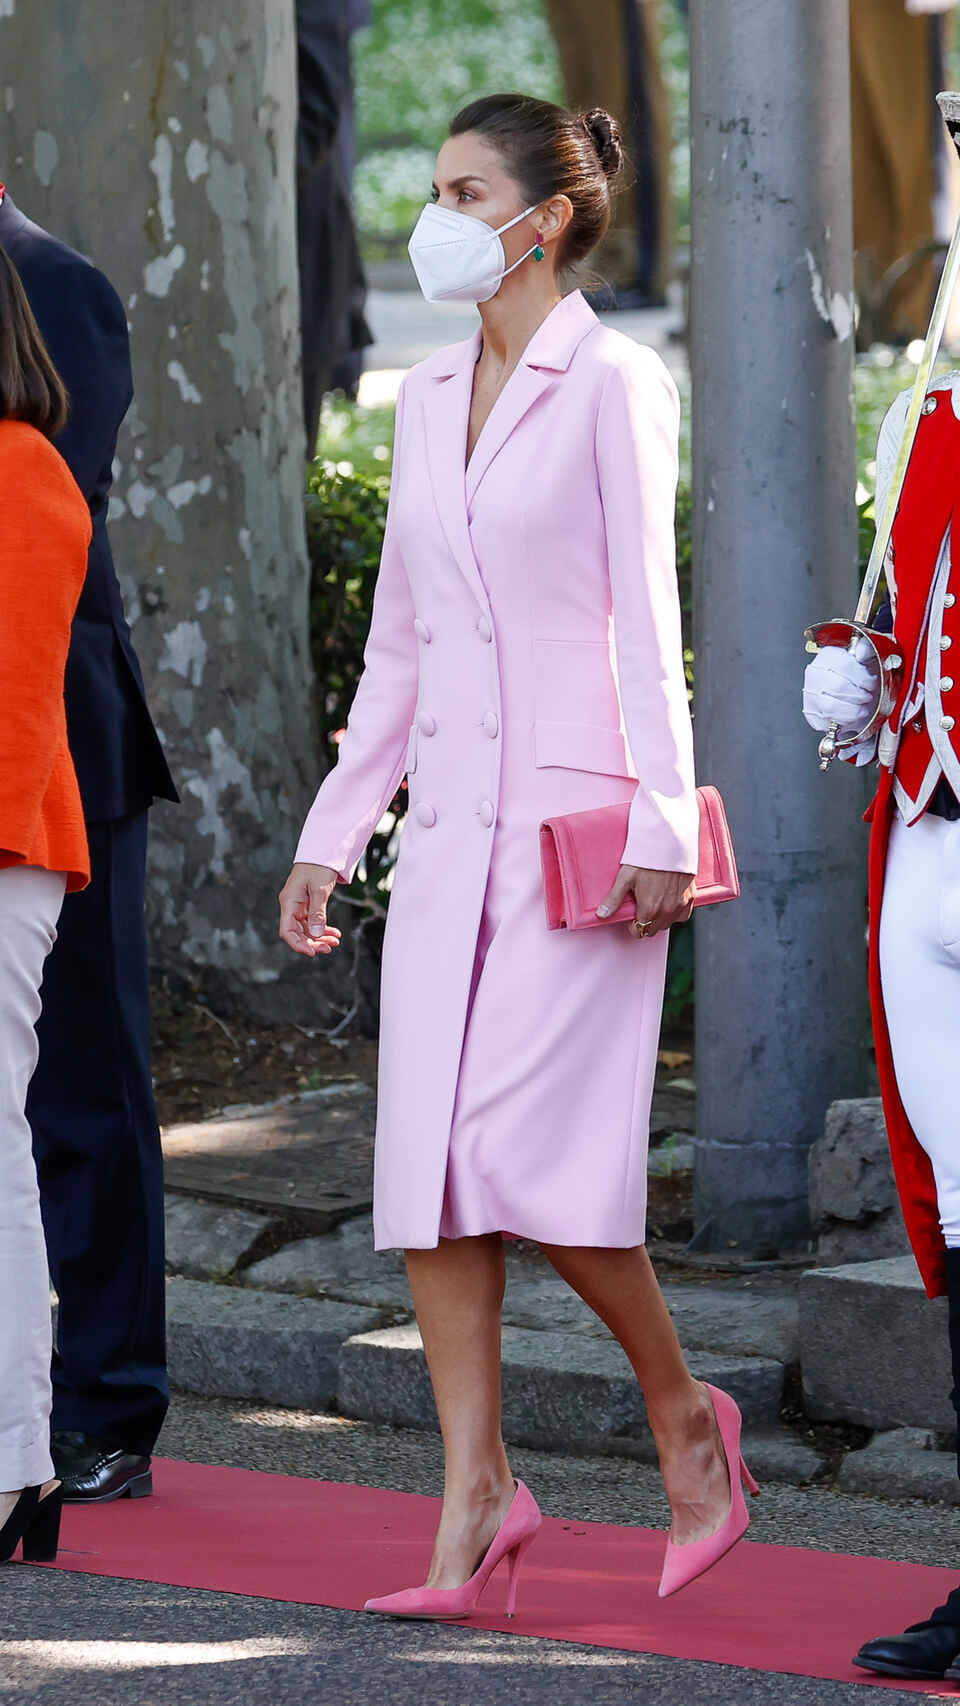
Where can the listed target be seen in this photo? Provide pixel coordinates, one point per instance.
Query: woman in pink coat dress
(524, 659)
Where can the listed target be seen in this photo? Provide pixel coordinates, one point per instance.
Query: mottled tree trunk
(159, 140)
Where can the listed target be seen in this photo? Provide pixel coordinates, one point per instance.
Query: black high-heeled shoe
(35, 1522)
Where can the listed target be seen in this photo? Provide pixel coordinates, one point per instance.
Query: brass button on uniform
(946, 682)
(945, 642)
(946, 723)
(949, 599)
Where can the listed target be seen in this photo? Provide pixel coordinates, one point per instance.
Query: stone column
(781, 976)
(159, 140)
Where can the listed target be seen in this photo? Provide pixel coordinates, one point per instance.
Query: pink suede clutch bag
(581, 852)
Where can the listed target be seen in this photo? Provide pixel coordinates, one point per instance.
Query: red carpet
(322, 1543)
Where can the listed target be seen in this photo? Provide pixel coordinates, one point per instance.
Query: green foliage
(417, 64)
(354, 440)
(679, 994)
(345, 516)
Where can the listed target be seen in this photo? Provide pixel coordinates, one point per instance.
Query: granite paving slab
(746, 1318)
(309, 1155)
(206, 1240)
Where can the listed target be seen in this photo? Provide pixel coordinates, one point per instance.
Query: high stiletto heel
(42, 1538)
(512, 1539)
(515, 1559)
(683, 1564)
(36, 1523)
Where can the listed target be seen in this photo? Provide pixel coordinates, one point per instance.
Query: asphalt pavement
(74, 1640)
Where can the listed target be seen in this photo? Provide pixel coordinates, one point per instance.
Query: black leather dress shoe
(93, 1471)
(925, 1650)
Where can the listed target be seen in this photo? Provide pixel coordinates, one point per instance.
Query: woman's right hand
(303, 911)
(839, 687)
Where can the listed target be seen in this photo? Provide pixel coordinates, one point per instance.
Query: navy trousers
(97, 1147)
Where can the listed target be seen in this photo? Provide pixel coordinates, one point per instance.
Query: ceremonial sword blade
(949, 104)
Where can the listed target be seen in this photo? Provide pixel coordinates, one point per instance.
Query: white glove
(839, 687)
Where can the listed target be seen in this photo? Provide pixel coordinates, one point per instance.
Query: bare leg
(458, 1292)
(622, 1288)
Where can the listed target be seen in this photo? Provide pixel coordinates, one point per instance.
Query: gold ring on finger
(640, 926)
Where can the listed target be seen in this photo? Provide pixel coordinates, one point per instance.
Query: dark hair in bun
(550, 151)
(605, 135)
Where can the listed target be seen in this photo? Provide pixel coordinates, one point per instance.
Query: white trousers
(920, 976)
(30, 902)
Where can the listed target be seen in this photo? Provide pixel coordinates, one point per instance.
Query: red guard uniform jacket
(920, 743)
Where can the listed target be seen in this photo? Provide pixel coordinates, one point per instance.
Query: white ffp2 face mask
(457, 258)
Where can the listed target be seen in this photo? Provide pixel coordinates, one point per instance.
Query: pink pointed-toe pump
(683, 1564)
(515, 1534)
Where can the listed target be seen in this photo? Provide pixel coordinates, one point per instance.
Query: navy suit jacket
(119, 760)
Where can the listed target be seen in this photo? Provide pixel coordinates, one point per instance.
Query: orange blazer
(45, 534)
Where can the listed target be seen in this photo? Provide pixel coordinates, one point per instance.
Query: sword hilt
(827, 749)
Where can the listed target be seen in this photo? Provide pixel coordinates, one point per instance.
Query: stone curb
(224, 1342)
(560, 1391)
(901, 1463)
(874, 1347)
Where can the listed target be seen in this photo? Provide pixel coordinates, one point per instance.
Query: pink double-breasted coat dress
(524, 659)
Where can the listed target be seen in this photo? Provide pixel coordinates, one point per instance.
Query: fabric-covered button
(950, 599)
(487, 813)
(491, 723)
(946, 723)
(426, 724)
(946, 682)
(425, 814)
(421, 630)
(484, 629)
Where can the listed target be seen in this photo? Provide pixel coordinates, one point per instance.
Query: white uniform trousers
(920, 977)
(30, 902)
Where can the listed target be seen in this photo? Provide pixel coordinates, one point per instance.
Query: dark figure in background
(609, 53)
(898, 140)
(90, 1105)
(332, 283)
(349, 363)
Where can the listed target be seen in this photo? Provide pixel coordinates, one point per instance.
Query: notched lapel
(523, 388)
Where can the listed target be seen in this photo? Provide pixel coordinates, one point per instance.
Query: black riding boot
(932, 1648)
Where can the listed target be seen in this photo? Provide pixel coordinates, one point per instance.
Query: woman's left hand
(663, 898)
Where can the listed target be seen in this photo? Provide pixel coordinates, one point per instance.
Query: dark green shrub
(345, 517)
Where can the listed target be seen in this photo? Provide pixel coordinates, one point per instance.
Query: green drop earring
(538, 252)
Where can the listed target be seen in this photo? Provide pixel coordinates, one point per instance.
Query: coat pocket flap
(581, 746)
